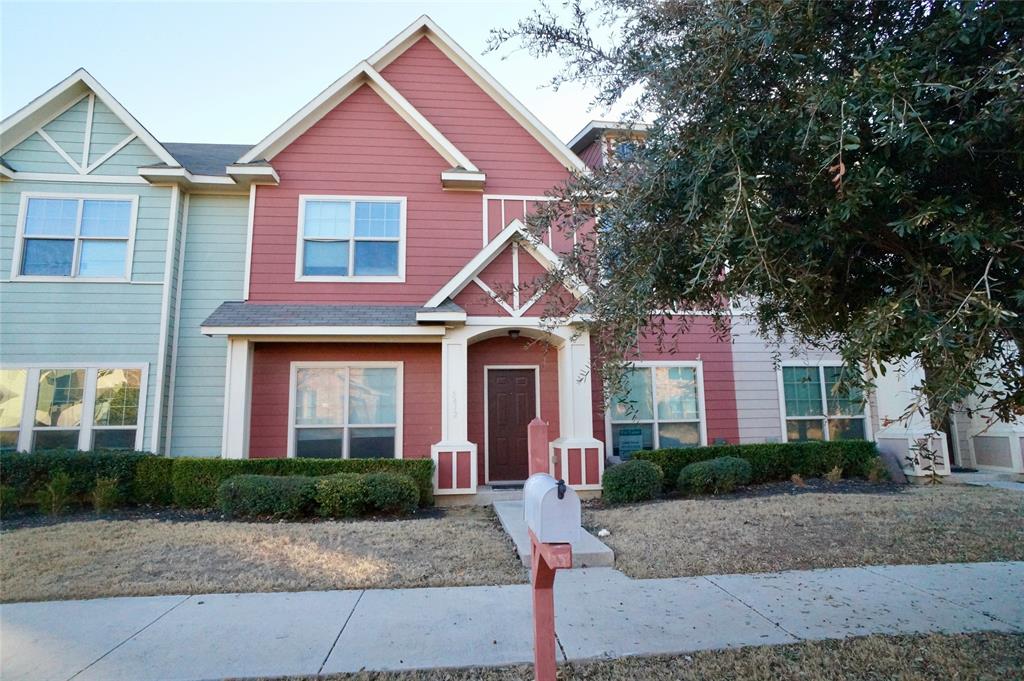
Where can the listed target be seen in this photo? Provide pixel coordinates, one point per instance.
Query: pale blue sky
(232, 72)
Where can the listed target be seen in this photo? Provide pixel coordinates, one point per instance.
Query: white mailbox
(552, 510)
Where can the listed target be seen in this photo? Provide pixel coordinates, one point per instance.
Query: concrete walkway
(600, 612)
(588, 552)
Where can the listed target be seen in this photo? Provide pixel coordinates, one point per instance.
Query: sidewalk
(600, 612)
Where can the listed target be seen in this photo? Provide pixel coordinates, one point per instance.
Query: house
(356, 285)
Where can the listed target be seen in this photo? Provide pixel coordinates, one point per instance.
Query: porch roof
(237, 314)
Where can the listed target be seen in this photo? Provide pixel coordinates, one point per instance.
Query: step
(588, 552)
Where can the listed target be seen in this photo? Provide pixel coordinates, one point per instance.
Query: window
(88, 238)
(814, 410)
(74, 408)
(661, 406)
(343, 238)
(346, 411)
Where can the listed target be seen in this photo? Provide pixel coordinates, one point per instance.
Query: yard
(983, 657)
(95, 558)
(785, 527)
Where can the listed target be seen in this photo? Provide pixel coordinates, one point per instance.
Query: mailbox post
(553, 520)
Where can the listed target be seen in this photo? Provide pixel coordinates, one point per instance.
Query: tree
(854, 169)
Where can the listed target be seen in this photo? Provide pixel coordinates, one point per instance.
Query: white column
(575, 397)
(455, 466)
(237, 399)
(900, 432)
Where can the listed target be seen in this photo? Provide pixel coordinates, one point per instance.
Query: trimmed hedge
(276, 496)
(773, 462)
(635, 480)
(152, 483)
(29, 474)
(715, 476)
(340, 495)
(390, 493)
(195, 481)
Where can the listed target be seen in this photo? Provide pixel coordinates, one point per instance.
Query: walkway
(601, 612)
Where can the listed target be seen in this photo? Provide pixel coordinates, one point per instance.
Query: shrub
(635, 480)
(152, 482)
(8, 498)
(341, 495)
(877, 472)
(104, 494)
(390, 493)
(195, 481)
(774, 462)
(715, 476)
(252, 496)
(28, 474)
(55, 495)
(836, 474)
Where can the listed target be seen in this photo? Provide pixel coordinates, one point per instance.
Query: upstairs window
(815, 410)
(76, 237)
(351, 238)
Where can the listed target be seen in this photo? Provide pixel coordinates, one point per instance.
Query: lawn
(988, 657)
(785, 527)
(95, 558)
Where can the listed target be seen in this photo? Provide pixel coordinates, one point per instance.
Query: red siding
(591, 154)
(421, 405)
(508, 351)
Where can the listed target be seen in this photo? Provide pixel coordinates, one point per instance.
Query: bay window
(351, 238)
(660, 405)
(813, 408)
(346, 410)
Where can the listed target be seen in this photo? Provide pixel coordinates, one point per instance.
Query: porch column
(577, 456)
(237, 399)
(455, 469)
(895, 392)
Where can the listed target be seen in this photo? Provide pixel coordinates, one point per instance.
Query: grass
(986, 657)
(92, 559)
(803, 528)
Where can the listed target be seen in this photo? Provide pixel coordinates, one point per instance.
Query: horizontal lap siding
(421, 404)
(509, 352)
(213, 272)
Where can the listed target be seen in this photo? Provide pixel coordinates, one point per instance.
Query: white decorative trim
(237, 399)
(63, 154)
(165, 319)
(352, 277)
(440, 316)
(177, 324)
(87, 142)
(253, 172)
(345, 425)
(487, 428)
(71, 177)
(454, 448)
(113, 150)
(255, 331)
(248, 242)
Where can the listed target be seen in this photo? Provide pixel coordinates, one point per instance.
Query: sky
(232, 72)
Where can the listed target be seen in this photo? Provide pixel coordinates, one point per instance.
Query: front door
(511, 405)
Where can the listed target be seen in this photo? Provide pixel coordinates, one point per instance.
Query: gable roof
(515, 231)
(362, 74)
(20, 125)
(594, 129)
(206, 159)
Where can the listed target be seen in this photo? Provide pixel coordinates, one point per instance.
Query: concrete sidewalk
(600, 613)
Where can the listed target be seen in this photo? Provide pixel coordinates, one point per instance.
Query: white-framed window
(75, 237)
(812, 409)
(351, 238)
(661, 405)
(64, 406)
(345, 410)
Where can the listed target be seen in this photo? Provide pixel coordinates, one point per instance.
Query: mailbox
(552, 510)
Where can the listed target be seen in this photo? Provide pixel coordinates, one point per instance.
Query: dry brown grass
(933, 524)
(145, 557)
(982, 657)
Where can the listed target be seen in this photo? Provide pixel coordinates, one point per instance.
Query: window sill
(368, 279)
(84, 280)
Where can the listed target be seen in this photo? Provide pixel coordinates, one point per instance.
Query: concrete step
(588, 552)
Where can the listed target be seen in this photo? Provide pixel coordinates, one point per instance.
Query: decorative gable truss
(505, 271)
(77, 128)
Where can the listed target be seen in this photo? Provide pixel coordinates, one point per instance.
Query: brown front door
(511, 405)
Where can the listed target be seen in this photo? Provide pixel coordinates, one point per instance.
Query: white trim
(462, 176)
(352, 239)
(38, 113)
(86, 427)
(71, 177)
(19, 237)
(253, 172)
(63, 154)
(113, 150)
(165, 319)
(87, 142)
(495, 297)
(177, 324)
(487, 443)
(502, 198)
(399, 368)
(820, 365)
(248, 242)
(605, 126)
(440, 316)
(698, 365)
(323, 330)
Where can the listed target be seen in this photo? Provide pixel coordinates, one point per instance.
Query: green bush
(54, 496)
(390, 493)
(104, 494)
(195, 481)
(28, 474)
(8, 499)
(715, 476)
(341, 495)
(635, 480)
(276, 496)
(152, 483)
(774, 462)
